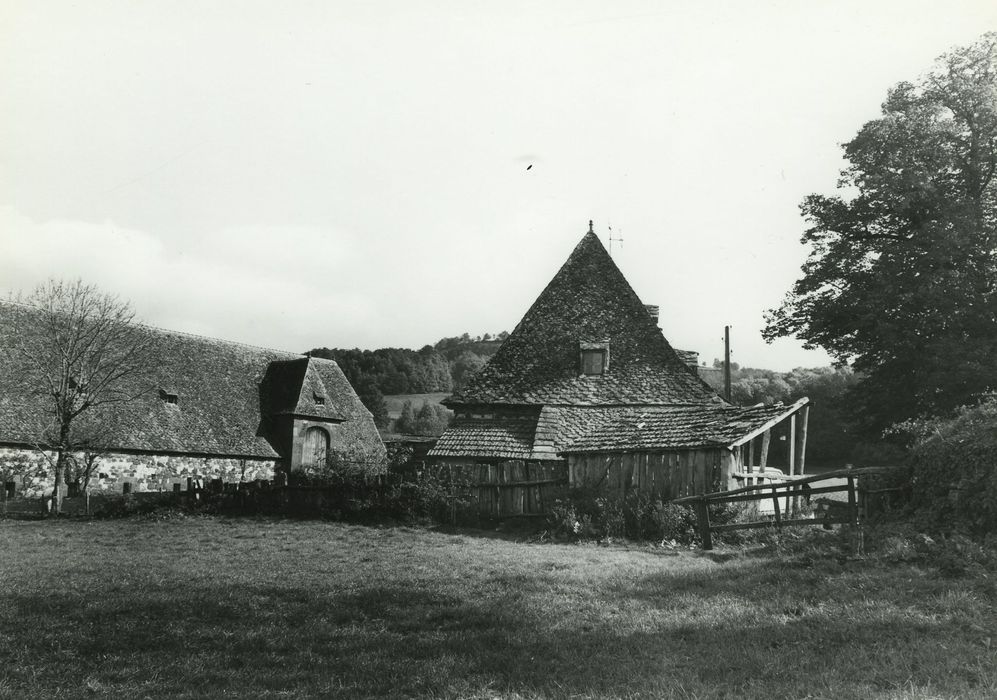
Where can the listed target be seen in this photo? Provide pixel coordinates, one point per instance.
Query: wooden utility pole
(727, 363)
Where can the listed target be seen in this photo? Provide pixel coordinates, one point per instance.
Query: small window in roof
(168, 397)
(593, 362)
(319, 400)
(594, 357)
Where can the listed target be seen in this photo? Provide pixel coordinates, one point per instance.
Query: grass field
(205, 607)
(396, 401)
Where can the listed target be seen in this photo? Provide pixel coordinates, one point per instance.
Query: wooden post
(775, 503)
(861, 493)
(792, 444)
(852, 510)
(801, 449)
(801, 444)
(853, 518)
(751, 455)
(703, 521)
(766, 441)
(453, 497)
(791, 501)
(727, 469)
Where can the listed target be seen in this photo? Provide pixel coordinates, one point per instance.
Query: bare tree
(82, 355)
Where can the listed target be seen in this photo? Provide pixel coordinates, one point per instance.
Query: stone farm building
(215, 410)
(587, 390)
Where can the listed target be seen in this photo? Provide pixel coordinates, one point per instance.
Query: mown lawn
(205, 607)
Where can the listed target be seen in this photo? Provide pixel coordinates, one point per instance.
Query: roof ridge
(159, 329)
(198, 336)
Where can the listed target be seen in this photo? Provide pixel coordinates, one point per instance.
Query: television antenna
(617, 239)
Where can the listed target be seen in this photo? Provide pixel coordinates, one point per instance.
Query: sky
(383, 174)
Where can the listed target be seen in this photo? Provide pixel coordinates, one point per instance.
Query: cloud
(285, 287)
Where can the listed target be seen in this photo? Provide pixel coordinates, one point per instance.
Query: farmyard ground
(206, 607)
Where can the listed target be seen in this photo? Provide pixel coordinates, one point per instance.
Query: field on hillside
(206, 607)
(396, 401)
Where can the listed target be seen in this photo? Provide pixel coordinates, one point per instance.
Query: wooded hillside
(441, 367)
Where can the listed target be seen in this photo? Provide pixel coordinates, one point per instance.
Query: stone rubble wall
(33, 474)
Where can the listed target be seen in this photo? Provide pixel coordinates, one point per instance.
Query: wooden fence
(513, 487)
(504, 489)
(789, 493)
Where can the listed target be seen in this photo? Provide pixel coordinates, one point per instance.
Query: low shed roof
(496, 438)
(562, 430)
(684, 427)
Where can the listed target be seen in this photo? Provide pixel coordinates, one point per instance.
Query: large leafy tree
(901, 278)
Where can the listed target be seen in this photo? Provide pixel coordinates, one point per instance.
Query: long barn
(209, 409)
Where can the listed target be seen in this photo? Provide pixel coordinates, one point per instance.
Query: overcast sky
(355, 174)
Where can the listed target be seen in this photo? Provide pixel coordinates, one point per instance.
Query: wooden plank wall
(513, 487)
(663, 474)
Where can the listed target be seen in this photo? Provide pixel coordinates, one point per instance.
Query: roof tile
(225, 394)
(587, 300)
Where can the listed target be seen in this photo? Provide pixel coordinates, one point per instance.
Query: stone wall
(34, 476)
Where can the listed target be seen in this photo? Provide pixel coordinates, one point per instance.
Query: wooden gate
(791, 491)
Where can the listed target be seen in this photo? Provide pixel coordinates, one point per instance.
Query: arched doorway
(315, 449)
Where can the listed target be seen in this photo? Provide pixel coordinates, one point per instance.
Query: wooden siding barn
(664, 474)
(675, 453)
(588, 381)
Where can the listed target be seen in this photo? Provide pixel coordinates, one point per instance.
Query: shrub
(404, 494)
(953, 478)
(591, 514)
(674, 522)
(432, 496)
(146, 504)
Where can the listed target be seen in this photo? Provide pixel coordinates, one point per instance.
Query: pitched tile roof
(498, 438)
(308, 387)
(559, 430)
(588, 300)
(223, 403)
(669, 428)
(689, 357)
(560, 426)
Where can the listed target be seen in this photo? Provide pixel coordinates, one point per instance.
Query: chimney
(653, 311)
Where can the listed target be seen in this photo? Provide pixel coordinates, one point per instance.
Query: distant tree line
(442, 367)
